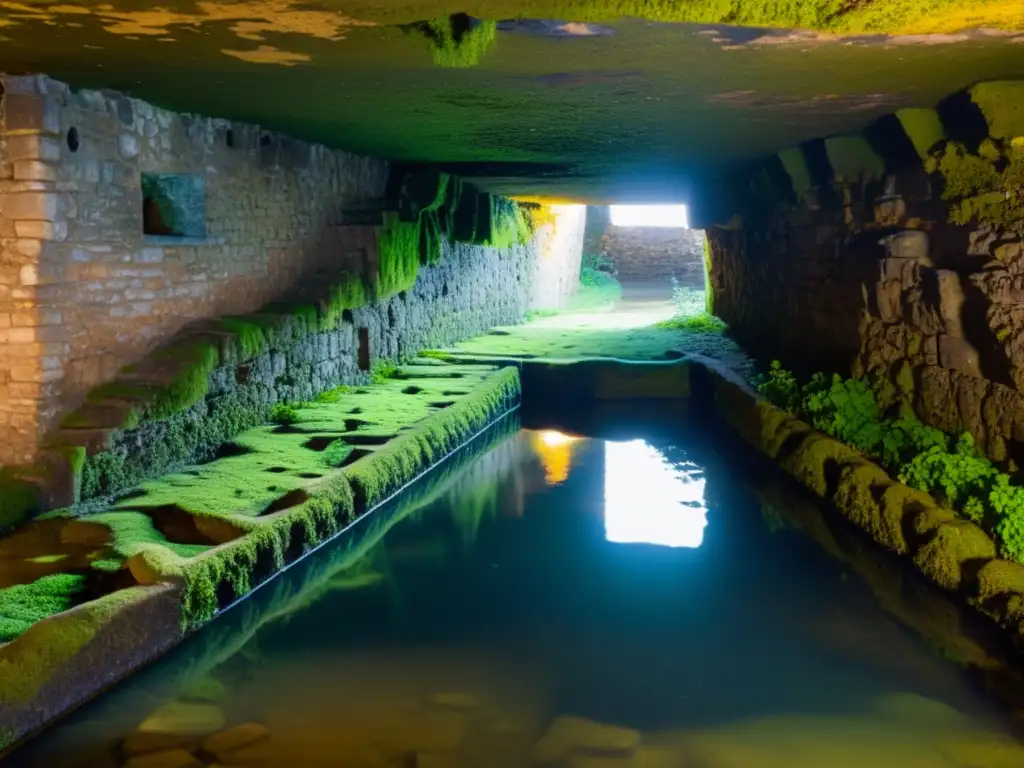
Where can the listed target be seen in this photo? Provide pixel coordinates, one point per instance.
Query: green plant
(382, 371)
(464, 50)
(336, 453)
(399, 254)
(780, 387)
(984, 188)
(283, 414)
(919, 455)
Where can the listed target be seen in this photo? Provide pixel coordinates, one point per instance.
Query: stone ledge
(951, 552)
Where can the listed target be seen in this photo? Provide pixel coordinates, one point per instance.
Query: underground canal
(522, 383)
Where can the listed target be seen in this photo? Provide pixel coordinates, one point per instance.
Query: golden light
(555, 451)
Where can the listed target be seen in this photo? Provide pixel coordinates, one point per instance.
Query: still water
(645, 600)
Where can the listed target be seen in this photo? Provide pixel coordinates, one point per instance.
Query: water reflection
(555, 451)
(649, 500)
(485, 619)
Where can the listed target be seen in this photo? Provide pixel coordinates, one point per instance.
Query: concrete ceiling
(628, 109)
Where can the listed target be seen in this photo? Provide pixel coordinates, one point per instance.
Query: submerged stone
(223, 745)
(174, 758)
(576, 734)
(184, 719)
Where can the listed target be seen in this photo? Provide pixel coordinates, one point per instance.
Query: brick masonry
(84, 291)
(647, 254)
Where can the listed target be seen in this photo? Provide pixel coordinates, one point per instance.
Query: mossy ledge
(65, 659)
(219, 377)
(951, 552)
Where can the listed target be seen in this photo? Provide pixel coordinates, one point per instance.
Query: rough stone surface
(875, 282)
(645, 254)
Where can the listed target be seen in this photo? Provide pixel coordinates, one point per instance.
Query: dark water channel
(653, 597)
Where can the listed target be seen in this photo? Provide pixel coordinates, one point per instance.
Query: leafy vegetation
(382, 371)
(18, 497)
(922, 457)
(985, 188)
(460, 50)
(284, 414)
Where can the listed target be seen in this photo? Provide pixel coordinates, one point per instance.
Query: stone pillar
(33, 342)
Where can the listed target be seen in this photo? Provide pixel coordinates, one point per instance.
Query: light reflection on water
(650, 500)
(499, 601)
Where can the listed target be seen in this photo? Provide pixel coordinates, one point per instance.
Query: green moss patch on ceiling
(640, 110)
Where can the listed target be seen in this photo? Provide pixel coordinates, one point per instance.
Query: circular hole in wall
(73, 142)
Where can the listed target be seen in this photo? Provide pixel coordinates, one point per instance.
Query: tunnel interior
(435, 337)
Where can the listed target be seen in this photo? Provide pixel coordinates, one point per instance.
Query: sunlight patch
(648, 500)
(650, 216)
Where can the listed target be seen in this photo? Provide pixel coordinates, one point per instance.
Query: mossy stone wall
(831, 265)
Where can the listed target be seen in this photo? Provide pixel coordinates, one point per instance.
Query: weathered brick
(33, 170)
(31, 113)
(34, 206)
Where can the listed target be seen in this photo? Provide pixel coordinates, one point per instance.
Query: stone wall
(85, 291)
(864, 272)
(560, 244)
(647, 254)
(122, 224)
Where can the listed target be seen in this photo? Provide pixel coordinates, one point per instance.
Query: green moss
(19, 497)
(467, 50)
(348, 293)
(795, 163)
(197, 360)
(423, 190)
(986, 188)
(512, 226)
(852, 158)
(131, 531)
(382, 371)
(337, 452)
(430, 238)
(333, 395)
(34, 658)
(373, 478)
(923, 127)
(251, 337)
(23, 605)
(709, 292)
(1002, 103)
(399, 256)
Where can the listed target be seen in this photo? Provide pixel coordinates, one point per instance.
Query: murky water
(653, 599)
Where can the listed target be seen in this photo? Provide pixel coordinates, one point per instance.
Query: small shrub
(284, 414)
(780, 388)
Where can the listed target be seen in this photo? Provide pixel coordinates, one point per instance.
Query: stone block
(34, 170)
(958, 354)
(569, 735)
(128, 146)
(33, 147)
(35, 230)
(951, 301)
(31, 113)
(910, 244)
(32, 206)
